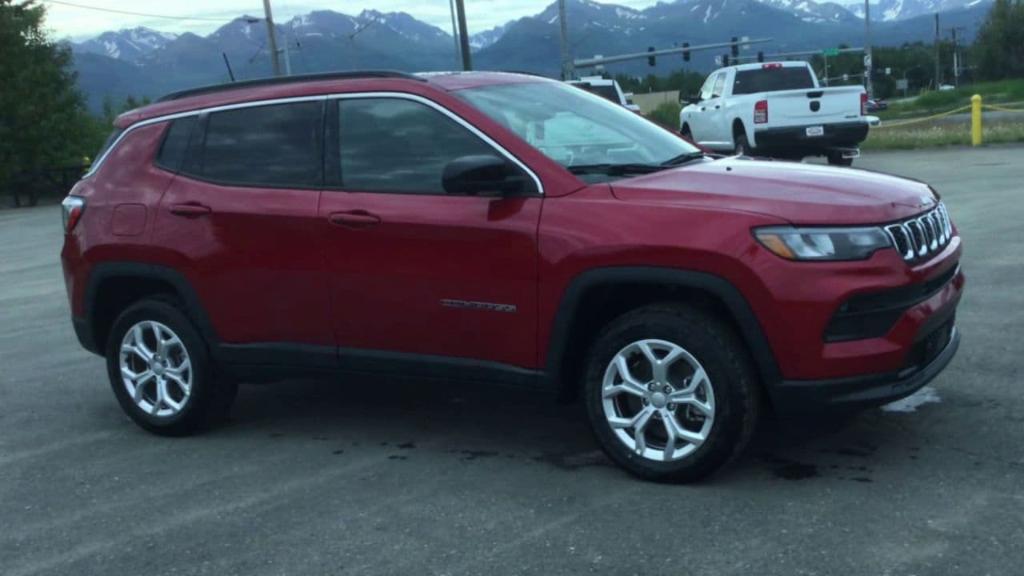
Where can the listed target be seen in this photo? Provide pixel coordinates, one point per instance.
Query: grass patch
(935, 102)
(935, 135)
(666, 115)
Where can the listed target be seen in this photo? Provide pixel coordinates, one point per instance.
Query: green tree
(43, 123)
(1000, 43)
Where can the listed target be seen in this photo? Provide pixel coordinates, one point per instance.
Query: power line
(130, 13)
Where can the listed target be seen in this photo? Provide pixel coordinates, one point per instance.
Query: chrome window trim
(168, 117)
(321, 97)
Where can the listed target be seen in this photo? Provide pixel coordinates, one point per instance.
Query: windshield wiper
(683, 158)
(614, 169)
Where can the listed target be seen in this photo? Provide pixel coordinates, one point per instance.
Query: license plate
(815, 130)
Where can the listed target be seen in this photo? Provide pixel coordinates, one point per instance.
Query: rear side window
(172, 151)
(772, 79)
(394, 145)
(273, 146)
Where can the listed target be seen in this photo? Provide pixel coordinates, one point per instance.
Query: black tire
(740, 145)
(837, 159)
(685, 132)
(210, 399)
(714, 344)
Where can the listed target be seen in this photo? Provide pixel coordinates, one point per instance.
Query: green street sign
(830, 52)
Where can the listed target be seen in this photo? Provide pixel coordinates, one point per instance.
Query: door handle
(190, 210)
(702, 108)
(354, 219)
(717, 107)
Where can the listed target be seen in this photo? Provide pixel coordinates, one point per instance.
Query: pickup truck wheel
(670, 394)
(741, 147)
(837, 159)
(160, 371)
(685, 132)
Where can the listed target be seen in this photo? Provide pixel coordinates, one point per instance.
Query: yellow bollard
(976, 120)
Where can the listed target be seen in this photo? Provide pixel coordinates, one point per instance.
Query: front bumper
(806, 397)
(795, 138)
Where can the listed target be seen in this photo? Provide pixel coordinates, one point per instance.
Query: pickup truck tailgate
(813, 106)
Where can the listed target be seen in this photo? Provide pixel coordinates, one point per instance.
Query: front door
(412, 269)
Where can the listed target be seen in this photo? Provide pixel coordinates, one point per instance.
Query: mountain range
(144, 62)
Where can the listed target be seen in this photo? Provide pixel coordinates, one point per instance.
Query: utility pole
(956, 55)
(563, 27)
(455, 34)
(938, 57)
(467, 59)
(272, 38)
(868, 63)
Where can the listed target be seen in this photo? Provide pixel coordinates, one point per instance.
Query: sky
(78, 23)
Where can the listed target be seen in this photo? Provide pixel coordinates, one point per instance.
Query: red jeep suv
(499, 228)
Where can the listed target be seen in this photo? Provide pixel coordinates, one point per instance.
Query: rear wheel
(160, 370)
(670, 393)
(740, 145)
(837, 159)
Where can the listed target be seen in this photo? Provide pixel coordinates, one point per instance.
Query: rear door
(415, 272)
(239, 221)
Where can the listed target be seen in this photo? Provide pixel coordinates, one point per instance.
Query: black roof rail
(289, 80)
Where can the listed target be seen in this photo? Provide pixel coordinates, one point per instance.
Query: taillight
(73, 207)
(761, 112)
(863, 103)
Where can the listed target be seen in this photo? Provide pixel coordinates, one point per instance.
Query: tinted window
(393, 145)
(277, 145)
(172, 152)
(606, 91)
(772, 79)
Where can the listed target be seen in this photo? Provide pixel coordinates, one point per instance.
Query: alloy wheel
(658, 400)
(156, 369)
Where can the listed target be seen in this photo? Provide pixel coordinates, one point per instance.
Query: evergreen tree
(43, 121)
(1000, 43)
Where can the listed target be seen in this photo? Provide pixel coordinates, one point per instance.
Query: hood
(799, 193)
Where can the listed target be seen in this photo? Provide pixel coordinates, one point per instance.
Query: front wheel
(670, 393)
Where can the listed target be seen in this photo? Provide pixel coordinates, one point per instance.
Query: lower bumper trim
(807, 397)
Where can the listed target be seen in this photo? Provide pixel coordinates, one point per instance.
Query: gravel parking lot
(371, 477)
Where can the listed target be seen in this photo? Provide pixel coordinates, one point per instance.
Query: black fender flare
(742, 314)
(104, 271)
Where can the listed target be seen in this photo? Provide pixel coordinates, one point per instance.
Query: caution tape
(924, 119)
(1001, 108)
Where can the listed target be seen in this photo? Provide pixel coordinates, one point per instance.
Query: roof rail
(289, 80)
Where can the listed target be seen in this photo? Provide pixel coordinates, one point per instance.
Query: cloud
(78, 23)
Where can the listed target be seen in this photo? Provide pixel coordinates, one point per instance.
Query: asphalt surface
(371, 477)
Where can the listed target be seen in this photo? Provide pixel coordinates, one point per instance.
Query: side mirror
(689, 99)
(484, 174)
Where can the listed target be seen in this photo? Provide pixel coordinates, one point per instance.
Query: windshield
(576, 128)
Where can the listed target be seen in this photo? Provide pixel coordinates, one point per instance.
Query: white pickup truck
(777, 109)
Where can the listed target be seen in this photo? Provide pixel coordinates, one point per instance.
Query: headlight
(823, 243)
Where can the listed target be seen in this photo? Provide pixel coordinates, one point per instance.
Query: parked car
(777, 109)
(498, 228)
(877, 105)
(608, 89)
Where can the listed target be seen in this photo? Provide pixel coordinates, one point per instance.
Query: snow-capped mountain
(129, 44)
(488, 37)
(894, 10)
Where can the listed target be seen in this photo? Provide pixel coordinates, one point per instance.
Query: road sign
(901, 83)
(867, 60)
(830, 52)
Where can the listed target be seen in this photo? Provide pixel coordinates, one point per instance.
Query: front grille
(922, 236)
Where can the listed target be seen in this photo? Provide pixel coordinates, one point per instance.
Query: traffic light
(686, 53)
(760, 56)
(735, 47)
(725, 59)
(650, 59)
